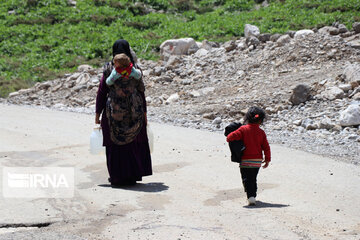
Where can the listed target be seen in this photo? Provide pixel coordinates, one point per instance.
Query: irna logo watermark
(41, 182)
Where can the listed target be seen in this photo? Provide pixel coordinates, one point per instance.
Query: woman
(126, 142)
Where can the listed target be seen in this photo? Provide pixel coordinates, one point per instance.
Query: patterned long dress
(126, 163)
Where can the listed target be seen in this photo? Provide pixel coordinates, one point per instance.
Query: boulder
(176, 47)
(356, 27)
(275, 37)
(85, 68)
(301, 93)
(205, 44)
(342, 28)
(264, 37)
(334, 31)
(173, 98)
(284, 39)
(356, 96)
(355, 43)
(325, 30)
(352, 73)
(350, 116)
(230, 45)
(333, 93)
(252, 41)
(251, 30)
(303, 33)
(201, 52)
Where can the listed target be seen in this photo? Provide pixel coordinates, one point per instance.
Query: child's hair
(255, 115)
(122, 59)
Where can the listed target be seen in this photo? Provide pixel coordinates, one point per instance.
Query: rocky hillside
(308, 82)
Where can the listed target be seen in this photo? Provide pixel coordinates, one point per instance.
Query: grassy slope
(42, 39)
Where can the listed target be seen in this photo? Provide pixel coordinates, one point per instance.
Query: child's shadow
(260, 204)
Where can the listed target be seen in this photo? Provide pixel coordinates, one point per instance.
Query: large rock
(350, 116)
(352, 73)
(342, 28)
(301, 93)
(264, 37)
(356, 27)
(230, 45)
(283, 40)
(85, 68)
(252, 40)
(251, 30)
(275, 37)
(333, 93)
(176, 47)
(303, 33)
(355, 43)
(173, 98)
(325, 30)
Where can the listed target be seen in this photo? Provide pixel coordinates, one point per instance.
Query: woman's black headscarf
(122, 46)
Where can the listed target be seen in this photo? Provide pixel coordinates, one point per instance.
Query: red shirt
(125, 72)
(254, 139)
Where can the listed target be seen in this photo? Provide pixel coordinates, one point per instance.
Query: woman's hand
(266, 164)
(97, 118)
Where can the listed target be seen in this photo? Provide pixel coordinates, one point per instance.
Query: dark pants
(248, 176)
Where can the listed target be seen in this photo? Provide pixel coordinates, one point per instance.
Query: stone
(284, 39)
(355, 43)
(326, 124)
(333, 31)
(241, 45)
(44, 85)
(356, 96)
(201, 53)
(72, 3)
(217, 121)
(173, 61)
(333, 93)
(309, 124)
(342, 28)
(13, 94)
(350, 116)
(345, 87)
(164, 79)
(158, 71)
(205, 44)
(252, 41)
(352, 73)
(325, 30)
(251, 30)
(173, 98)
(303, 33)
(264, 37)
(230, 45)
(356, 27)
(85, 68)
(300, 94)
(275, 37)
(176, 47)
(84, 78)
(194, 93)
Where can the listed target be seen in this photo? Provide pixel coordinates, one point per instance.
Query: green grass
(43, 39)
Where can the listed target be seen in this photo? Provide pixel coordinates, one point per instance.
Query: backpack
(236, 147)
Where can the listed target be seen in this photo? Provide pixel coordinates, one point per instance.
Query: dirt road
(194, 193)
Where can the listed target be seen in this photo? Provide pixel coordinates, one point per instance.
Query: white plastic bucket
(96, 141)
(150, 137)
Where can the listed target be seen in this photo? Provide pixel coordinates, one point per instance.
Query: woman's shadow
(140, 187)
(260, 204)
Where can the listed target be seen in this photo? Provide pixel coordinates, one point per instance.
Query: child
(123, 68)
(255, 142)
